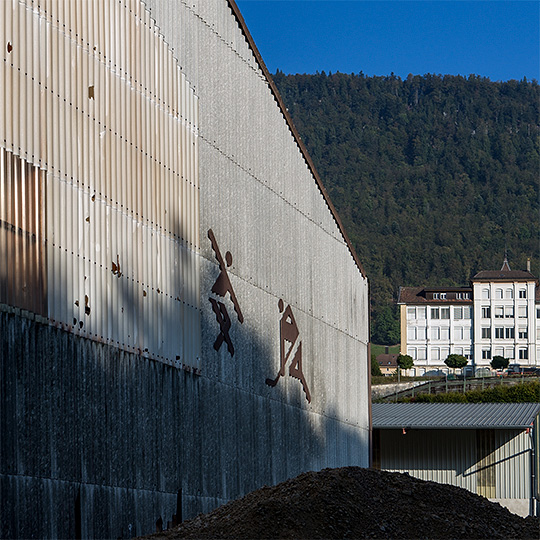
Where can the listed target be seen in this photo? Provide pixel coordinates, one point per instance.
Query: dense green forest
(434, 177)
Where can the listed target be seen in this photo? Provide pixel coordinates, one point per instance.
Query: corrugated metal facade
(494, 463)
(164, 214)
(99, 128)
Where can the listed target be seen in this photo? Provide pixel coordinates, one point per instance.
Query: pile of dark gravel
(358, 503)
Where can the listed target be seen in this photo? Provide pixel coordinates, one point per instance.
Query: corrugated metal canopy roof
(454, 415)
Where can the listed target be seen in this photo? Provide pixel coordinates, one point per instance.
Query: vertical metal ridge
(99, 111)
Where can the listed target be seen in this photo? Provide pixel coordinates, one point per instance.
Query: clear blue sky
(497, 39)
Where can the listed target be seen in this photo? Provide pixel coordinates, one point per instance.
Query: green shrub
(528, 392)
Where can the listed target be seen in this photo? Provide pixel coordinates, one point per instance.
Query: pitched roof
(387, 359)
(505, 266)
(417, 295)
(454, 415)
(504, 275)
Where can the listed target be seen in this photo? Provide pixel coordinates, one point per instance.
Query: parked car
(514, 368)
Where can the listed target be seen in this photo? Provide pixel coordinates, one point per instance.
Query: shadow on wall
(100, 442)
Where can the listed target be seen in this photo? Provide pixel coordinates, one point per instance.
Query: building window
(434, 312)
(538, 312)
(523, 354)
(458, 313)
(411, 351)
(421, 313)
(443, 296)
(485, 294)
(523, 293)
(509, 353)
(499, 351)
(435, 354)
(435, 296)
(411, 313)
(499, 312)
(445, 313)
(522, 312)
(467, 353)
(421, 353)
(509, 312)
(499, 333)
(445, 351)
(498, 294)
(486, 312)
(522, 333)
(510, 293)
(510, 332)
(467, 312)
(466, 295)
(486, 333)
(445, 333)
(486, 354)
(435, 332)
(458, 333)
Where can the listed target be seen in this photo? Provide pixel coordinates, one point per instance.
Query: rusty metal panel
(22, 241)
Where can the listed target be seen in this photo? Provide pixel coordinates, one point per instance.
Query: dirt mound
(358, 503)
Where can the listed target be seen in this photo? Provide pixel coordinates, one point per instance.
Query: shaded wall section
(101, 439)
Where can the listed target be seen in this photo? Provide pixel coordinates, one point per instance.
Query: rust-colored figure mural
(224, 321)
(221, 287)
(289, 333)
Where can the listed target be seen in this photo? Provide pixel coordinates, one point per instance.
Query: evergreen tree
(433, 176)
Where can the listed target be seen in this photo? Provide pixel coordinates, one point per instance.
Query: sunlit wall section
(99, 137)
(261, 199)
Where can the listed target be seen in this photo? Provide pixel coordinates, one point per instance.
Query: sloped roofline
(504, 275)
(296, 135)
(454, 415)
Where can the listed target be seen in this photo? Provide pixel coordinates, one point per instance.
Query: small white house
(487, 448)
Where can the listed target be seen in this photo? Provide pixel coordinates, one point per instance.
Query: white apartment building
(498, 314)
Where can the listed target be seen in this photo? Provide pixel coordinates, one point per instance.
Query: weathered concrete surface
(98, 442)
(384, 390)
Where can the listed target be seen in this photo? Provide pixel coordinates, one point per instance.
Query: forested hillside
(433, 176)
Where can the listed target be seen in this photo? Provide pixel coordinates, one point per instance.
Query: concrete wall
(126, 434)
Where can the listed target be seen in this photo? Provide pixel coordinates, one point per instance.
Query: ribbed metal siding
(440, 456)
(454, 415)
(450, 457)
(512, 458)
(261, 200)
(22, 236)
(91, 94)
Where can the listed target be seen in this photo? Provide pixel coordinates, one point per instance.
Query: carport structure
(488, 448)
